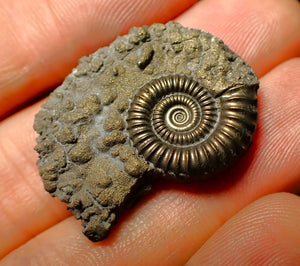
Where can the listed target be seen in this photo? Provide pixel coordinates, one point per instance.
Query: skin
(248, 215)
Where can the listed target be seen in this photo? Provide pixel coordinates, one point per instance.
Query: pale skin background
(249, 215)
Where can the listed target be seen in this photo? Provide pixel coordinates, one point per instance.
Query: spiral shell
(178, 126)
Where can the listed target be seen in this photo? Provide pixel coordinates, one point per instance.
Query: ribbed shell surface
(179, 127)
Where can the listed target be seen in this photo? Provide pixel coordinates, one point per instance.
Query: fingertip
(264, 33)
(264, 232)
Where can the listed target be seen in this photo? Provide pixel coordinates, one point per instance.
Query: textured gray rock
(90, 155)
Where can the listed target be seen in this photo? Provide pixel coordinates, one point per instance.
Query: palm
(174, 223)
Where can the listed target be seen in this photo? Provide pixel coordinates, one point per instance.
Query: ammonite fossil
(164, 100)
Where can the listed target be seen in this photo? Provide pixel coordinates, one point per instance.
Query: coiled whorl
(179, 127)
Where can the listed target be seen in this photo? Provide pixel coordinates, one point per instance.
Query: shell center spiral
(177, 117)
(178, 112)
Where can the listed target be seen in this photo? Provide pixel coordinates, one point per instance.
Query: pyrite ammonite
(163, 99)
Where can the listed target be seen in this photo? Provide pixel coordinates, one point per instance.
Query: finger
(175, 220)
(262, 233)
(42, 40)
(279, 34)
(264, 33)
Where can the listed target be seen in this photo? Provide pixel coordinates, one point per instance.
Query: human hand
(237, 218)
